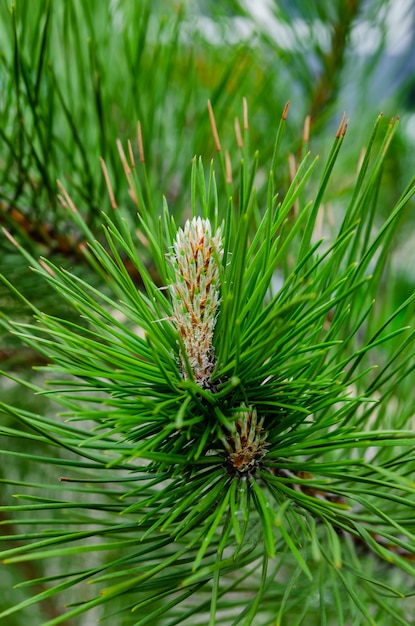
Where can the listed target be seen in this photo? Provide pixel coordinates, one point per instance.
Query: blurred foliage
(77, 75)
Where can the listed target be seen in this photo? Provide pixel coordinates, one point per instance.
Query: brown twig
(326, 87)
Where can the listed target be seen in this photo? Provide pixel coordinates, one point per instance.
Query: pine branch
(267, 452)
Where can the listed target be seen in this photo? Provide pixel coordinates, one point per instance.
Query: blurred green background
(76, 75)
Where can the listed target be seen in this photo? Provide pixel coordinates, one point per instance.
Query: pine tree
(218, 429)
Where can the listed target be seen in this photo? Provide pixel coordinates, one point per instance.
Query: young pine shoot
(234, 444)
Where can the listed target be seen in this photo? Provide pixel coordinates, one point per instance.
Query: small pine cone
(246, 446)
(195, 294)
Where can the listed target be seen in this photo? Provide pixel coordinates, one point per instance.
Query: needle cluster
(244, 455)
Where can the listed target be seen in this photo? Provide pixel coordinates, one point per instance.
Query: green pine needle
(277, 456)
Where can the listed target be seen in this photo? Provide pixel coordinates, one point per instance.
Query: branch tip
(67, 198)
(340, 128)
(140, 143)
(245, 113)
(213, 126)
(306, 131)
(10, 237)
(127, 169)
(345, 127)
(131, 154)
(46, 267)
(228, 168)
(238, 134)
(108, 182)
(285, 111)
